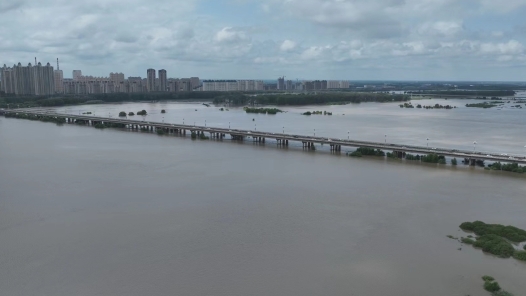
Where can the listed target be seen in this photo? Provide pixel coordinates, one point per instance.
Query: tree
(163, 111)
(122, 114)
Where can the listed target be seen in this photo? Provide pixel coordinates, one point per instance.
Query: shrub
(467, 241)
(488, 278)
(512, 233)
(520, 255)
(454, 161)
(160, 131)
(491, 286)
(131, 114)
(495, 245)
(163, 111)
(122, 114)
(142, 112)
(356, 154)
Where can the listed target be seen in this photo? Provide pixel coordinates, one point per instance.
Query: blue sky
(250, 39)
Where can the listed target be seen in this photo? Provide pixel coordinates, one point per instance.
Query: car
(504, 154)
(434, 148)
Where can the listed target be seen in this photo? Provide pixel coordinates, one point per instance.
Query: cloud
(229, 34)
(335, 38)
(287, 45)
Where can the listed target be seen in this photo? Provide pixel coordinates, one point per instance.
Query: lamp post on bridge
(163, 119)
(254, 127)
(315, 132)
(283, 130)
(183, 121)
(229, 125)
(474, 146)
(427, 143)
(385, 139)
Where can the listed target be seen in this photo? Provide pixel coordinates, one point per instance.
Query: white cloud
(229, 34)
(287, 45)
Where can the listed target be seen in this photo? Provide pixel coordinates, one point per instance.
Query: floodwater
(107, 212)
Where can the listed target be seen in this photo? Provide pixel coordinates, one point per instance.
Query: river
(110, 212)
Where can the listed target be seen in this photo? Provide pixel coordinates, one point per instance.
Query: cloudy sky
(304, 39)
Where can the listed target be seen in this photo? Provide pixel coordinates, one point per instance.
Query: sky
(469, 40)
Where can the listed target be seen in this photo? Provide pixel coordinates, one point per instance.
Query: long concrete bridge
(281, 138)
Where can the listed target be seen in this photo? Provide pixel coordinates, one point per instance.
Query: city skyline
(336, 39)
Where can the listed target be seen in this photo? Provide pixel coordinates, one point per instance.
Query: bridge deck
(503, 157)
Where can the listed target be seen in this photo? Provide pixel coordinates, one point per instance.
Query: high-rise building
(59, 80)
(194, 82)
(31, 80)
(76, 74)
(162, 80)
(281, 83)
(150, 76)
(117, 77)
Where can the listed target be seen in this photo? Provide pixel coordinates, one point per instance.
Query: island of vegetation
(317, 113)
(496, 239)
(272, 111)
(436, 106)
(508, 167)
(131, 114)
(142, 112)
(122, 114)
(163, 111)
(484, 105)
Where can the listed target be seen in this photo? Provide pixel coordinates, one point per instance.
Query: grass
(520, 255)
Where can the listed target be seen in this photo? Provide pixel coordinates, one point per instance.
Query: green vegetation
(390, 155)
(222, 109)
(317, 113)
(433, 158)
(163, 111)
(509, 167)
(100, 126)
(406, 105)
(495, 245)
(491, 286)
(143, 112)
(370, 151)
(454, 161)
(437, 106)
(412, 157)
(451, 237)
(480, 228)
(262, 110)
(520, 255)
(355, 154)
(160, 131)
(122, 114)
(484, 105)
(131, 114)
(467, 241)
(57, 120)
(487, 278)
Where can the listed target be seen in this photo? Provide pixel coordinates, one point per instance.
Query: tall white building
(28, 80)
(76, 74)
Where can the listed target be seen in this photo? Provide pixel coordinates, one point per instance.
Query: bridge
(281, 139)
